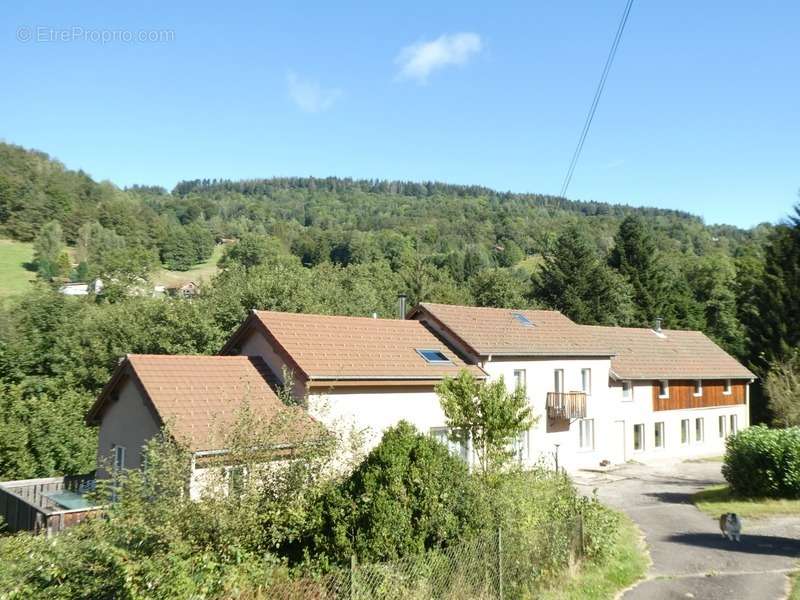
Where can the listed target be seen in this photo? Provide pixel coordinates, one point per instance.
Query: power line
(597, 95)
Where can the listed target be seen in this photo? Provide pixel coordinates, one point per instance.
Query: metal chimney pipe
(401, 305)
(658, 325)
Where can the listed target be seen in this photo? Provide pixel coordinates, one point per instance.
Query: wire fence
(487, 568)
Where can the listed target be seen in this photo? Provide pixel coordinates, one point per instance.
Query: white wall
(607, 407)
(371, 411)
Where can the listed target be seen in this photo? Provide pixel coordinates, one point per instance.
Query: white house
(603, 394)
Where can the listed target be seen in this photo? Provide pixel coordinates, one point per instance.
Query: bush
(409, 495)
(763, 462)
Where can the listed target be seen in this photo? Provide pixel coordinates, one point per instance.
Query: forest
(342, 246)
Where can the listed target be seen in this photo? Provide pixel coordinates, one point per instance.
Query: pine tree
(636, 258)
(47, 250)
(575, 281)
(775, 333)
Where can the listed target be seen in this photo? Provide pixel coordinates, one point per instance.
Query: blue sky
(701, 111)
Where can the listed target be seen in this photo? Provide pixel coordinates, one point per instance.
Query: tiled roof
(674, 354)
(199, 398)
(360, 348)
(497, 331)
(637, 353)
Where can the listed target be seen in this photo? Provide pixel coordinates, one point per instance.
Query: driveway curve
(690, 557)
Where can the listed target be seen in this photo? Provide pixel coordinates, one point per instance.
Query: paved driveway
(690, 558)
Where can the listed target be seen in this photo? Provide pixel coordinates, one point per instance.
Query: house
(188, 289)
(356, 373)
(197, 399)
(603, 393)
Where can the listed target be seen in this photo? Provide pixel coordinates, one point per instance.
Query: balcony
(566, 405)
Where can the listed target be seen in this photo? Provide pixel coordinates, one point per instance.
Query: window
(658, 435)
(586, 381)
(457, 448)
(558, 375)
(236, 480)
(721, 425)
(119, 458)
(698, 429)
(522, 319)
(433, 356)
(698, 387)
(734, 425)
(519, 379)
(638, 436)
(726, 388)
(684, 431)
(663, 388)
(586, 429)
(520, 447)
(627, 390)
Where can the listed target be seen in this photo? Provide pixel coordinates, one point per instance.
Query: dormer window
(434, 356)
(698, 388)
(663, 388)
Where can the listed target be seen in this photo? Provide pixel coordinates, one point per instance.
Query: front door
(618, 443)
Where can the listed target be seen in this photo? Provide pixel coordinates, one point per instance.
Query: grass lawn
(14, 277)
(625, 564)
(718, 499)
(705, 459)
(795, 593)
(203, 271)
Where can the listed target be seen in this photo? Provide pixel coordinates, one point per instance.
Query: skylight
(522, 319)
(433, 356)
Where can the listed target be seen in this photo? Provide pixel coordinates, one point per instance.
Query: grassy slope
(14, 277)
(717, 500)
(625, 564)
(203, 271)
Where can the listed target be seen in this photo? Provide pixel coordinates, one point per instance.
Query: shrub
(409, 495)
(763, 462)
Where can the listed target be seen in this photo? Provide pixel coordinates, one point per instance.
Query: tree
(574, 280)
(485, 414)
(783, 391)
(499, 288)
(252, 250)
(636, 258)
(48, 248)
(775, 333)
(125, 269)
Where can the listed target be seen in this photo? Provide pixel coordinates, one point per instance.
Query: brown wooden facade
(681, 394)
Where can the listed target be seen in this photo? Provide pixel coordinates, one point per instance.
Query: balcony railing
(566, 405)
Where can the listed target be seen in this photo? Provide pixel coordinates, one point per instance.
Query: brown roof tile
(497, 331)
(637, 353)
(641, 353)
(360, 348)
(199, 397)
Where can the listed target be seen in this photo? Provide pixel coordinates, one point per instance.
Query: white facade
(608, 430)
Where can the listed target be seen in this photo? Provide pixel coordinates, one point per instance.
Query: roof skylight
(433, 356)
(522, 319)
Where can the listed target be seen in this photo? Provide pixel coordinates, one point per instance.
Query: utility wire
(597, 95)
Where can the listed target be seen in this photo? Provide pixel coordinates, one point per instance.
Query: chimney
(401, 305)
(374, 315)
(657, 327)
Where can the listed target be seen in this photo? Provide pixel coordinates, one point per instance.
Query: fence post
(500, 560)
(352, 576)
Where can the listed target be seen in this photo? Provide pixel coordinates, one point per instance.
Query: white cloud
(417, 61)
(310, 96)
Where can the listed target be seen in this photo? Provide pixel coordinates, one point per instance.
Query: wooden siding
(681, 395)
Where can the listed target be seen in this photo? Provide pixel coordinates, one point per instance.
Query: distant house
(188, 289)
(82, 289)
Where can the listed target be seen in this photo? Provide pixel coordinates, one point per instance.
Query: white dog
(731, 526)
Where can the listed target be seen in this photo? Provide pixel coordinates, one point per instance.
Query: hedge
(764, 462)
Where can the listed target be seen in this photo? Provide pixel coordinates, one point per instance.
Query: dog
(731, 526)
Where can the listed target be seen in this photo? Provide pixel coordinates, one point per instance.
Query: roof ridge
(342, 317)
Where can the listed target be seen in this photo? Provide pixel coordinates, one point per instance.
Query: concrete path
(690, 557)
